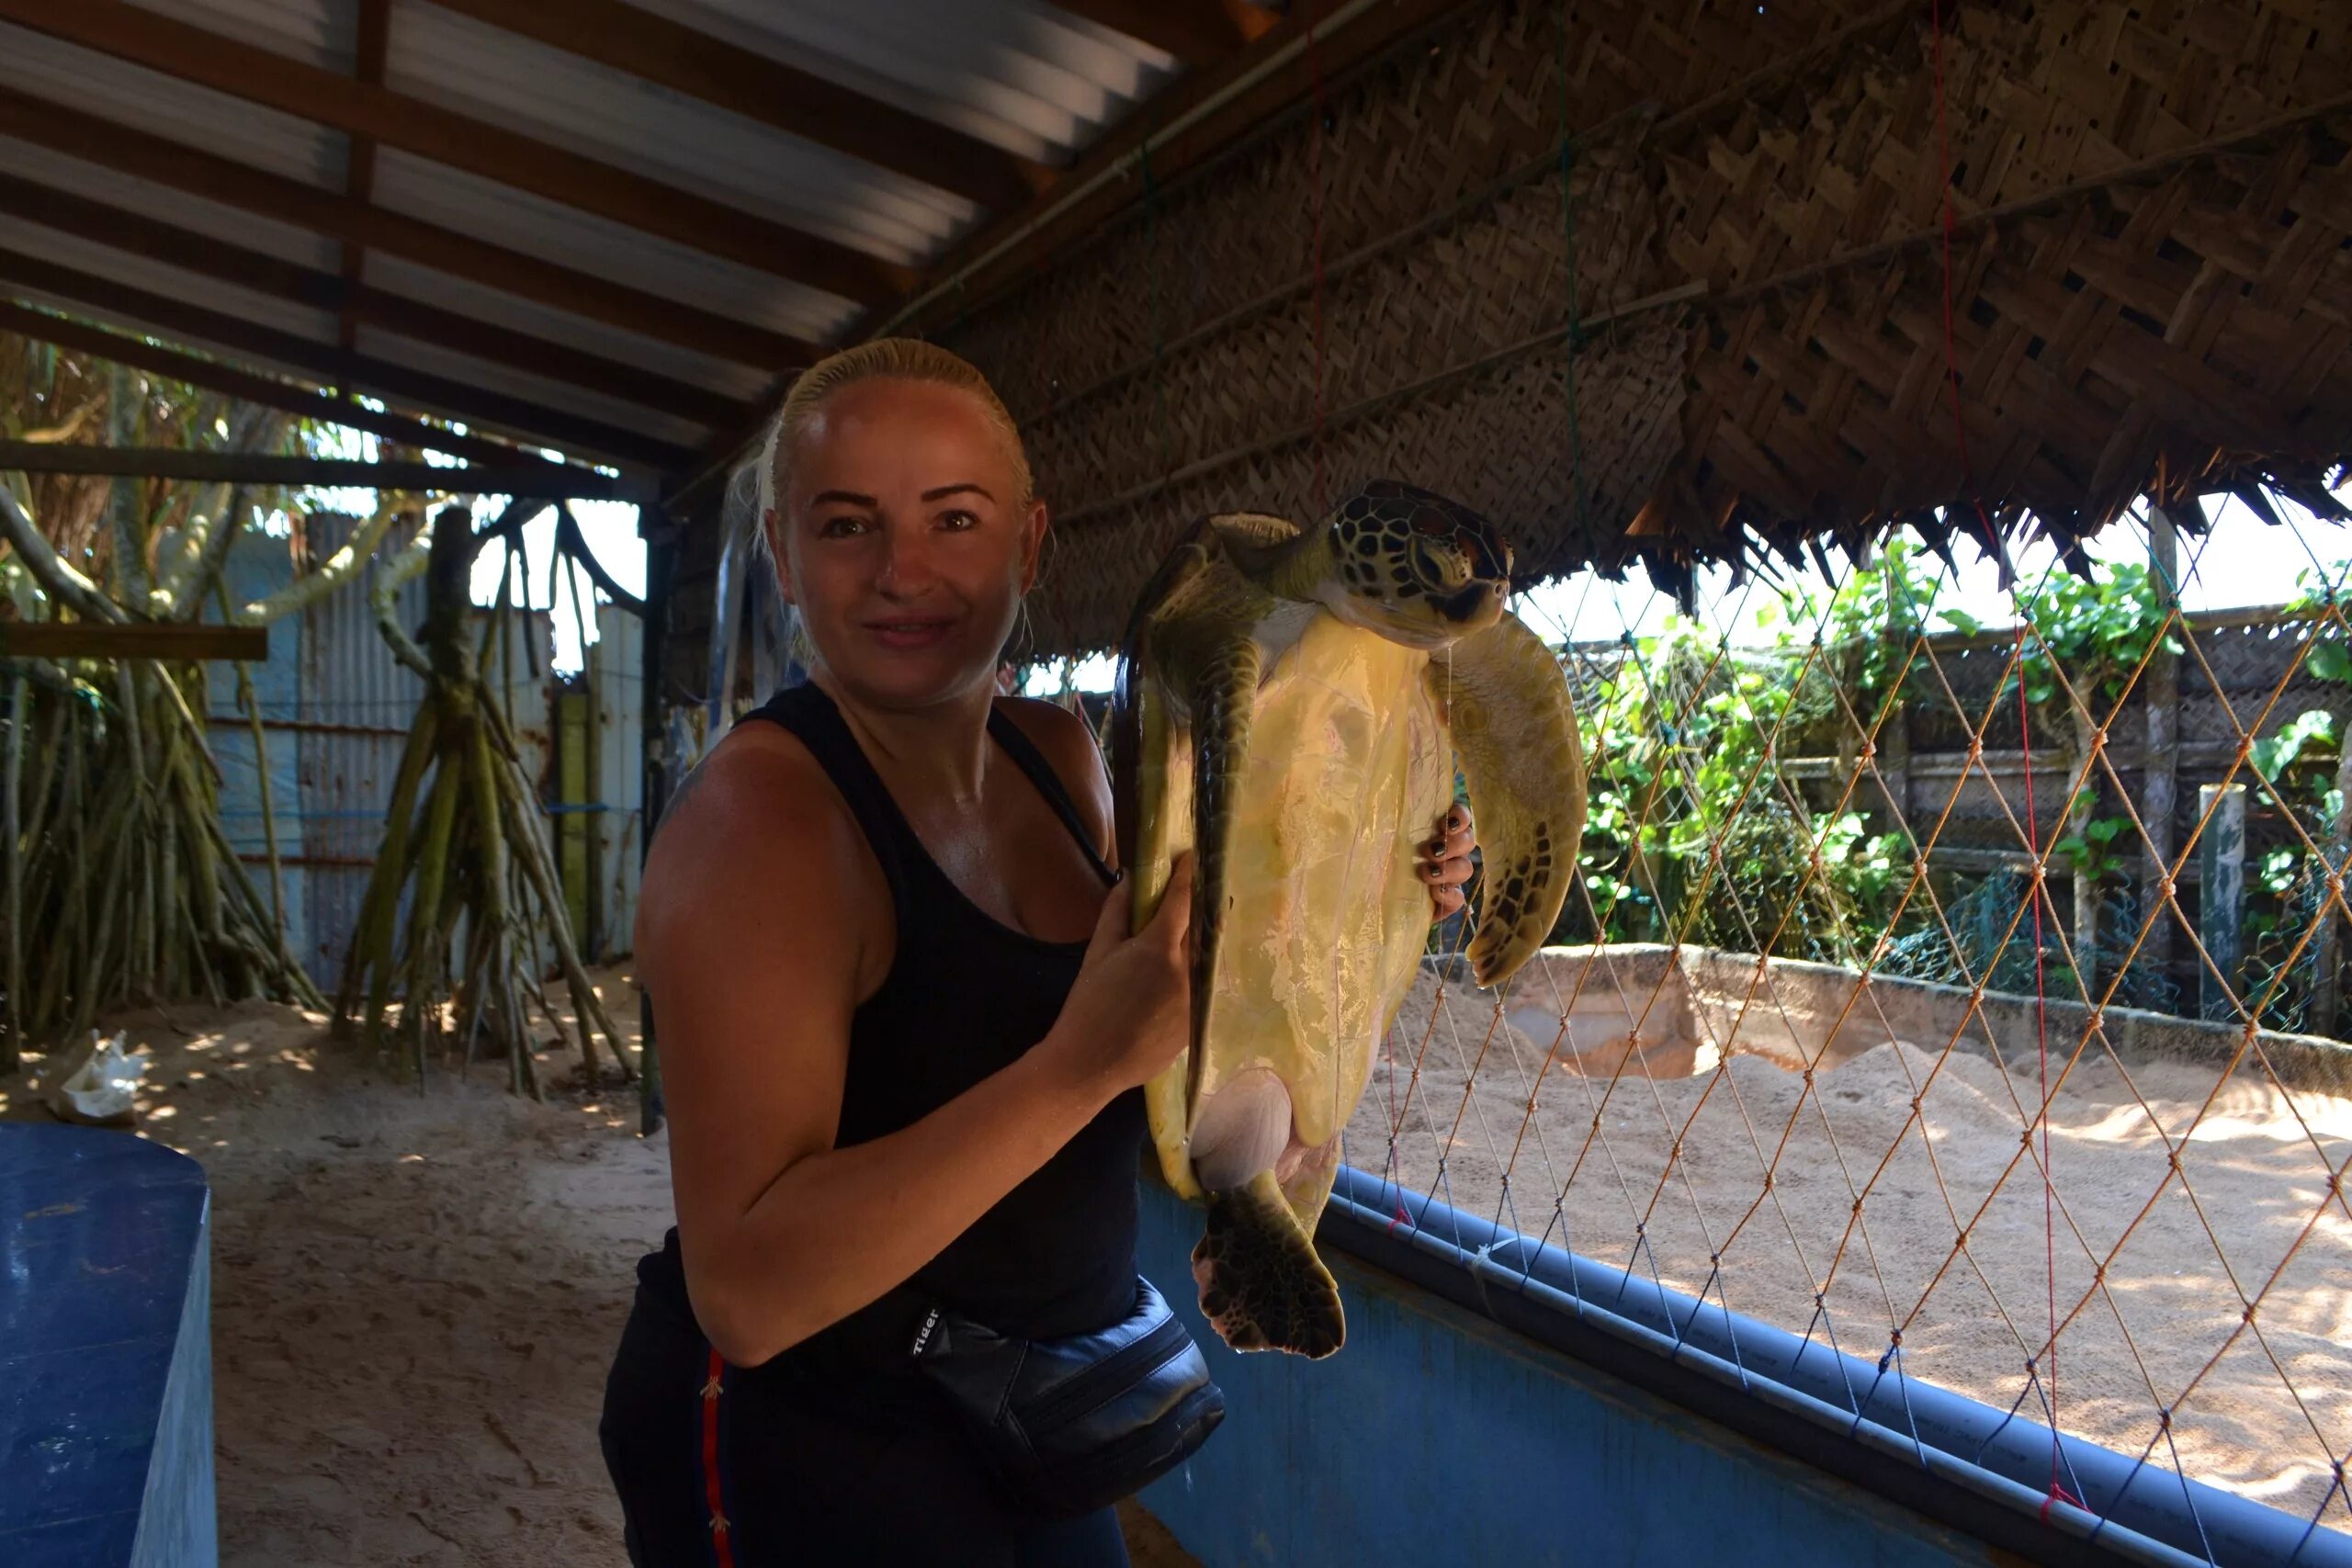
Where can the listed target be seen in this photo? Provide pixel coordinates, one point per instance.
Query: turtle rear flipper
(1261, 1286)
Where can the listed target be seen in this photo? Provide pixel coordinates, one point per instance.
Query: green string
(1569, 233)
(1151, 271)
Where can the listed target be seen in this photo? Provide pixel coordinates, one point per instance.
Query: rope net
(1960, 993)
(1956, 966)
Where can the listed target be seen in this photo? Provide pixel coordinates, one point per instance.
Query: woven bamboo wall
(2150, 285)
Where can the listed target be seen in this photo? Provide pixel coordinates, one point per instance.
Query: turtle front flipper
(1515, 732)
(1261, 1286)
(1225, 699)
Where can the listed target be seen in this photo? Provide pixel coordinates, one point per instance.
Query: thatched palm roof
(1733, 333)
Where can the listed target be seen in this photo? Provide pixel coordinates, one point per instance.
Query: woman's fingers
(1444, 860)
(1456, 836)
(1450, 873)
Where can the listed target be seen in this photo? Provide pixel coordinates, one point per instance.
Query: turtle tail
(1261, 1286)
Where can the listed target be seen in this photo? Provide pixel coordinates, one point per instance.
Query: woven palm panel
(2038, 99)
(2175, 327)
(2144, 294)
(1405, 140)
(1447, 438)
(1479, 287)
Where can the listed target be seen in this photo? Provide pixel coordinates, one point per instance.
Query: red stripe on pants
(722, 1547)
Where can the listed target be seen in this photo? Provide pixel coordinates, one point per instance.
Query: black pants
(720, 1467)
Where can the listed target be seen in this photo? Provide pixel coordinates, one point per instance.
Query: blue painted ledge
(1504, 1403)
(106, 1358)
(1437, 1437)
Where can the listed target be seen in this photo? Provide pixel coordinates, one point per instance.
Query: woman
(902, 1026)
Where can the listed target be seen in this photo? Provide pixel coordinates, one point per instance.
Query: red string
(1315, 210)
(2025, 738)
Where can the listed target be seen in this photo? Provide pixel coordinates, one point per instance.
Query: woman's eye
(958, 521)
(841, 527)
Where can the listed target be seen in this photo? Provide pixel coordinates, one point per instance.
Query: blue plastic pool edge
(1895, 1435)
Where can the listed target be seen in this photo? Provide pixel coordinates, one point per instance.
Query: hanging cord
(1158, 337)
(2038, 891)
(1315, 220)
(1569, 235)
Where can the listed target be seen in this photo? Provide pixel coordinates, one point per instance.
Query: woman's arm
(745, 944)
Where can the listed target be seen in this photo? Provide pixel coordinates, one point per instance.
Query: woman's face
(903, 541)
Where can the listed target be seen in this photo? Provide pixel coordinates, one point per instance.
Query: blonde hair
(882, 358)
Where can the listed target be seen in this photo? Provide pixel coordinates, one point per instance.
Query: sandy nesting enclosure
(1662, 1051)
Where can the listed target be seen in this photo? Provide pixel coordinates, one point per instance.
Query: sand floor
(2264, 1419)
(415, 1295)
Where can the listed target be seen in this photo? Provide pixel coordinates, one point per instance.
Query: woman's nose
(906, 561)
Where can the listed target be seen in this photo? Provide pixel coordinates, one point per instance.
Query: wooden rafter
(806, 105)
(359, 157)
(74, 640)
(1198, 32)
(62, 128)
(358, 303)
(325, 97)
(517, 476)
(267, 390)
(554, 427)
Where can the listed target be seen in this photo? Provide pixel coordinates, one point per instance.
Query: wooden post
(593, 823)
(2220, 902)
(2327, 995)
(1894, 734)
(2084, 769)
(2159, 777)
(661, 559)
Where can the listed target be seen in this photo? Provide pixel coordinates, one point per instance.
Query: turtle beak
(1478, 606)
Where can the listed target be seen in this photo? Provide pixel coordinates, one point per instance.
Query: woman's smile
(910, 633)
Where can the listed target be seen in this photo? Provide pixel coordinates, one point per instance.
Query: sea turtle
(1285, 702)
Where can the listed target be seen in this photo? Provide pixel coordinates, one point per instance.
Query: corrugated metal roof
(1021, 75)
(162, 201)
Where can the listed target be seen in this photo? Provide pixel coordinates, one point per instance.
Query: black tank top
(966, 996)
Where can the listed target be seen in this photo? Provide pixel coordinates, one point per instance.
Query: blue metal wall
(1436, 1437)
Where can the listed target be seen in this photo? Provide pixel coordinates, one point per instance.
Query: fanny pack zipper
(1080, 1391)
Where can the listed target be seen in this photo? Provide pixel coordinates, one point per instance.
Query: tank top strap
(810, 715)
(816, 723)
(1031, 761)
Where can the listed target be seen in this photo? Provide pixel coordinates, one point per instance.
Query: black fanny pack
(1074, 1424)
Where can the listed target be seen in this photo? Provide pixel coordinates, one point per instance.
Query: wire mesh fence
(1961, 994)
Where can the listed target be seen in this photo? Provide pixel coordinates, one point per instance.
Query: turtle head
(1414, 567)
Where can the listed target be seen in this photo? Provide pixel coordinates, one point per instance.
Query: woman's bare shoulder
(756, 818)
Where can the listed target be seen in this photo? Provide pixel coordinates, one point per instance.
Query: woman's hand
(1130, 1011)
(1445, 861)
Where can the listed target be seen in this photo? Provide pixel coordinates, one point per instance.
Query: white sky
(2240, 561)
(609, 528)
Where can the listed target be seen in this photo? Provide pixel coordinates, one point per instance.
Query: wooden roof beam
(359, 152)
(234, 381)
(392, 119)
(517, 476)
(797, 102)
(361, 303)
(1198, 32)
(79, 639)
(551, 427)
(62, 128)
